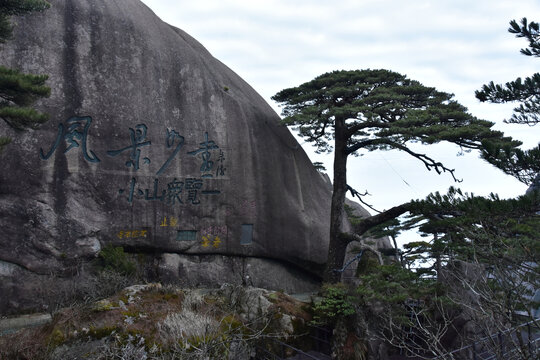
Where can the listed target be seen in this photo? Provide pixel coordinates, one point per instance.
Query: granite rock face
(153, 145)
(535, 186)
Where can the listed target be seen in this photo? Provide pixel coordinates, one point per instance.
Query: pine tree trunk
(337, 246)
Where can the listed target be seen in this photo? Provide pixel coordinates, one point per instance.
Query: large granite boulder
(153, 145)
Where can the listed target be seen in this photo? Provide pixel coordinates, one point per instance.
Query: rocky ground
(164, 322)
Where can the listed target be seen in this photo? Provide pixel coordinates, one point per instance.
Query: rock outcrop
(153, 145)
(155, 322)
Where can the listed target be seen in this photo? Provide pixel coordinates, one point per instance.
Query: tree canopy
(524, 165)
(19, 90)
(379, 109)
(17, 7)
(481, 253)
(484, 251)
(526, 91)
(349, 111)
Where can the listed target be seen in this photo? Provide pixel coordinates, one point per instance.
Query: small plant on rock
(336, 303)
(114, 258)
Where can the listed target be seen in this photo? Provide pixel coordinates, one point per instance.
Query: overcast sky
(453, 45)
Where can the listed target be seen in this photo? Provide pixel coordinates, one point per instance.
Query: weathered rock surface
(153, 145)
(164, 322)
(207, 270)
(11, 325)
(535, 186)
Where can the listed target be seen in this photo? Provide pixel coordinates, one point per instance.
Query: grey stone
(80, 350)
(535, 185)
(14, 324)
(209, 270)
(156, 146)
(7, 269)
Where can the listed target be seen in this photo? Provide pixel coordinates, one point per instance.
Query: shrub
(336, 303)
(114, 258)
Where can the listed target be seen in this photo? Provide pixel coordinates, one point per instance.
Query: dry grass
(159, 323)
(30, 344)
(289, 305)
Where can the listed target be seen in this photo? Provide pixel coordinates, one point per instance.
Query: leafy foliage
(407, 309)
(336, 302)
(478, 262)
(483, 228)
(380, 110)
(391, 286)
(498, 237)
(319, 166)
(17, 7)
(529, 31)
(18, 90)
(114, 258)
(479, 255)
(526, 91)
(524, 165)
(365, 110)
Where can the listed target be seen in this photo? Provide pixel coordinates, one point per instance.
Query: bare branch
(355, 193)
(430, 163)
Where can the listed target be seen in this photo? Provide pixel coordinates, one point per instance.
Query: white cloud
(454, 45)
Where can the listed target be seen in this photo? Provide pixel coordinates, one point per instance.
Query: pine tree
(350, 111)
(478, 264)
(485, 251)
(526, 91)
(18, 90)
(524, 165)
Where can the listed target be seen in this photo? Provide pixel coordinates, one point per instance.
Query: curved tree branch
(430, 163)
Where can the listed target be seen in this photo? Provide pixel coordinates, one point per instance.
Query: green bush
(337, 302)
(114, 258)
